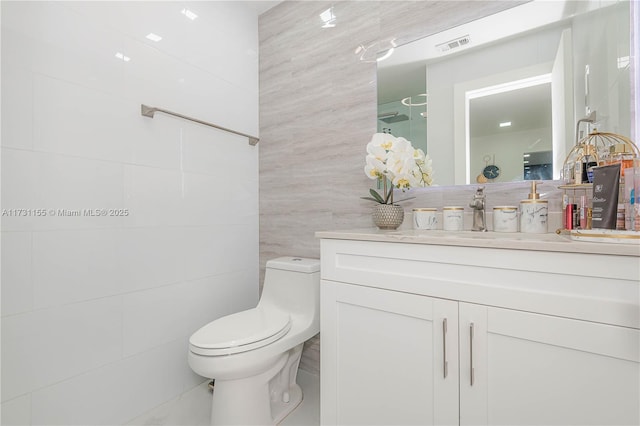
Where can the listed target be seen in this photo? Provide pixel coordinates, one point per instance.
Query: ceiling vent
(454, 44)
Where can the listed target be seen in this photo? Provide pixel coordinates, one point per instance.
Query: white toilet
(253, 355)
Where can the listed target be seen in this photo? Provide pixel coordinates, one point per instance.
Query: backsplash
(497, 194)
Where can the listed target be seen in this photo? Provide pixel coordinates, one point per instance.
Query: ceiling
(261, 6)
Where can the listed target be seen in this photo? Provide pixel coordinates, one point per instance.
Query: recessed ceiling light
(505, 124)
(189, 14)
(122, 57)
(153, 37)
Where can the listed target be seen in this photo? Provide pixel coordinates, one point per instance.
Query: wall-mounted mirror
(507, 90)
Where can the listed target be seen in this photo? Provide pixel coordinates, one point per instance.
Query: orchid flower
(397, 161)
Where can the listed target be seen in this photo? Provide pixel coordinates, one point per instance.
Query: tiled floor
(308, 412)
(194, 407)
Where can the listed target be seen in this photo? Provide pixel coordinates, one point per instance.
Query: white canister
(452, 218)
(533, 216)
(425, 218)
(505, 219)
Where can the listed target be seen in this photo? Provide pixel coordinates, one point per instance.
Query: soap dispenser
(534, 213)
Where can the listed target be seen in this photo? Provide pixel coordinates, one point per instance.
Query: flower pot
(388, 216)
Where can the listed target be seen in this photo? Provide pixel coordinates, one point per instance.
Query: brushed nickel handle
(471, 353)
(445, 366)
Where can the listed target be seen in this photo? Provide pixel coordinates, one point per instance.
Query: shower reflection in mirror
(405, 118)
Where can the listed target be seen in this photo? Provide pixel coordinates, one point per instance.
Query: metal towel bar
(148, 111)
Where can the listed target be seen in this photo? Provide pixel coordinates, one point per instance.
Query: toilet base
(263, 399)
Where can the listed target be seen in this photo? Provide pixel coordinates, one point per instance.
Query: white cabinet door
(388, 358)
(545, 370)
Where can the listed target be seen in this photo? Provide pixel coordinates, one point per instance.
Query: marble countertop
(513, 241)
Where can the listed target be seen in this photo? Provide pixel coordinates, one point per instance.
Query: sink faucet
(477, 204)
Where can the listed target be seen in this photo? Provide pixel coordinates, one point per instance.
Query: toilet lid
(240, 332)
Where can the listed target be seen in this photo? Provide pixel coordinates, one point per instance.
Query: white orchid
(374, 168)
(395, 160)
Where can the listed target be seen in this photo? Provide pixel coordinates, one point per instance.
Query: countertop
(513, 241)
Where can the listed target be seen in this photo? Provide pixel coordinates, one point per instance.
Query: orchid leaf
(371, 199)
(377, 196)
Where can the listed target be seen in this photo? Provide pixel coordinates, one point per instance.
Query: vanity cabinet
(437, 334)
(388, 358)
(522, 368)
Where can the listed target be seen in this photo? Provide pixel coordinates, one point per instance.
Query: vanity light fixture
(507, 87)
(505, 124)
(189, 14)
(153, 37)
(122, 57)
(328, 18)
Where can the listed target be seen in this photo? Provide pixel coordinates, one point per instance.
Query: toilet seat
(240, 332)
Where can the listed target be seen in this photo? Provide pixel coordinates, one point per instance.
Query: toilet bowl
(253, 355)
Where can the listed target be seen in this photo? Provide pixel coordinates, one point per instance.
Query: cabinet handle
(445, 366)
(471, 353)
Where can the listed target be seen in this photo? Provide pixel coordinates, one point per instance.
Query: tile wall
(97, 310)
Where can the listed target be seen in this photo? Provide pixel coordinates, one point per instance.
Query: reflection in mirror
(407, 118)
(541, 66)
(511, 121)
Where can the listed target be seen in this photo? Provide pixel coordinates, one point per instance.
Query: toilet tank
(292, 284)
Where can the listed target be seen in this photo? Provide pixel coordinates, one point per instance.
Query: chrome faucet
(478, 206)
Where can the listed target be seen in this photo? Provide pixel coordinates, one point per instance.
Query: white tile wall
(150, 258)
(36, 180)
(17, 284)
(115, 393)
(17, 412)
(75, 266)
(194, 407)
(45, 346)
(97, 311)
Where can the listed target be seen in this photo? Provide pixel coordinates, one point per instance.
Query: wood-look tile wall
(318, 108)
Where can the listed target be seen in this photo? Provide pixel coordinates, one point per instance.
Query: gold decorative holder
(597, 145)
